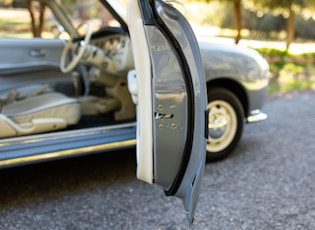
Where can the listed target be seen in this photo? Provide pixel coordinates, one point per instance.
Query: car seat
(20, 93)
(39, 113)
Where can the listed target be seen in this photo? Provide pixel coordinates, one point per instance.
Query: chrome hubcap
(222, 125)
(217, 125)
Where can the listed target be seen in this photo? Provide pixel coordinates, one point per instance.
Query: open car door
(171, 98)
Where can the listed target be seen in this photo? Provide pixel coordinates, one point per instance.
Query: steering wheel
(77, 52)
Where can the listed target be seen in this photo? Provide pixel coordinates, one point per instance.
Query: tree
(289, 9)
(238, 19)
(237, 6)
(37, 13)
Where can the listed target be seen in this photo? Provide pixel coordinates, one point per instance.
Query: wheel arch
(234, 87)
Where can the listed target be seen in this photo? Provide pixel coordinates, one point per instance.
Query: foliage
(237, 16)
(289, 71)
(305, 28)
(288, 8)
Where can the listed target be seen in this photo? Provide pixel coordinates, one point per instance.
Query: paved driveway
(267, 183)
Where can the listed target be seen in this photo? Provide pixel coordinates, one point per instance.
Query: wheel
(226, 122)
(78, 49)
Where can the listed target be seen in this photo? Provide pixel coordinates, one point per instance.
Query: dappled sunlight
(287, 73)
(226, 36)
(13, 23)
(294, 79)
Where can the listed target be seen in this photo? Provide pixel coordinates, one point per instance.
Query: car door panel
(30, 61)
(169, 70)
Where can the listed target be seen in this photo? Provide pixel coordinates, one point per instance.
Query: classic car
(104, 76)
(236, 77)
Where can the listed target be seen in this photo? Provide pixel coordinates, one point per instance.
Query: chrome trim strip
(70, 152)
(62, 134)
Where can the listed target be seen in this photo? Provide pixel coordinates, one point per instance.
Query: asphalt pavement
(268, 182)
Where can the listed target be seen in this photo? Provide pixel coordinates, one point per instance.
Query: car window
(16, 19)
(92, 11)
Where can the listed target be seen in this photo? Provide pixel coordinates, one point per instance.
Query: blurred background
(283, 31)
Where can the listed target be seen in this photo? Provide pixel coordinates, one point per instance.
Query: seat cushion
(49, 105)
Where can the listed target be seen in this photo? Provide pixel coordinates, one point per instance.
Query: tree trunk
(37, 21)
(290, 28)
(237, 19)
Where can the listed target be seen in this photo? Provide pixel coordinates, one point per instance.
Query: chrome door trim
(62, 134)
(67, 153)
(44, 147)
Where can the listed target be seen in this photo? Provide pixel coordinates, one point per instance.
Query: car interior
(50, 84)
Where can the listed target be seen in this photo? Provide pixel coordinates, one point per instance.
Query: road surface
(267, 183)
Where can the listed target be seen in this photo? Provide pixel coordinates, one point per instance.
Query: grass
(289, 72)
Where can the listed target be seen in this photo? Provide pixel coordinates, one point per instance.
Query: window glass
(15, 19)
(92, 11)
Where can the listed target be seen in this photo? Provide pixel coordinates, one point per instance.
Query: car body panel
(243, 66)
(169, 67)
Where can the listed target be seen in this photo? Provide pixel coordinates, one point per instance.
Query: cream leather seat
(40, 113)
(20, 93)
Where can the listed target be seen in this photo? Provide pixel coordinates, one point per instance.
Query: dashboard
(113, 53)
